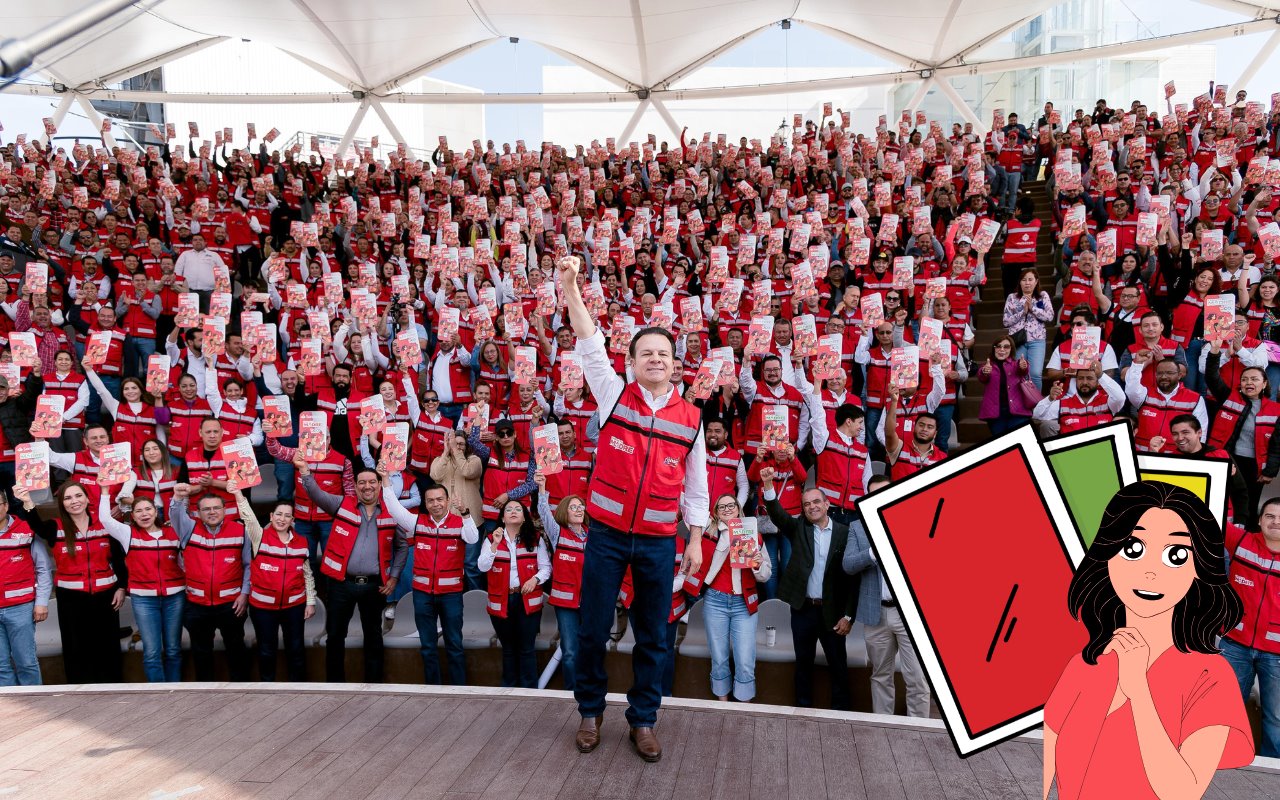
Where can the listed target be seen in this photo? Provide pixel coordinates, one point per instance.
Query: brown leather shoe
(588, 737)
(646, 744)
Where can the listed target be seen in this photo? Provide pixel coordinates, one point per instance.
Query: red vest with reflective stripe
(1185, 316)
(640, 463)
(1155, 414)
(840, 471)
(236, 423)
(276, 577)
(499, 384)
(159, 492)
(910, 462)
(69, 388)
(184, 424)
(1254, 573)
(342, 540)
(136, 323)
(1167, 349)
(501, 477)
(1228, 417)
(723, 581)
(500, 580)
(134, 427)
(460, 379)
(115, 353)
(580, 414)
(1020, 241)
(1075, 414)
(722, 472)
(153, 564)
(197, 467)
(215, 571)
(438, 554)
(1231, 369)
(328, 475)
(566, 569)
(575, 478)
(791, 398)
(428, 441)
(17, 567)
(87, 567)
(877, 376)
(1078, 290)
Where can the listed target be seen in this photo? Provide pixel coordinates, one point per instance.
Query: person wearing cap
(650, 469)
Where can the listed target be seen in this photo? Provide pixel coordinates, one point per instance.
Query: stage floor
(206, 741)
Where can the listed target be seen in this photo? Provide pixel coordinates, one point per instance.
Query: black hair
(1210, 608)
(431, 487)
(651, 330)
(1189, 419)
(337, 367)
(848, 411)
(528, 534)
(372, 472)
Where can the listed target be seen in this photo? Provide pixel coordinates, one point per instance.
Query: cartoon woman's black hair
(1211, 606)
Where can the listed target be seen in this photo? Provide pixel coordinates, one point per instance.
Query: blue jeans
(284, 473)
(669, 668)
(779, 548)
(610, 552)
(1012, 180)
(316, 532)
(570, 623)
(112, 384)
(1248, 662)
(945, 414)
(427, 608)
(875, 450)
(159, 621)
(405, 584)
(1194, 380)
(729, 624)
(18, 663)
(1273, 379)
(136, 353)
(1033, 352)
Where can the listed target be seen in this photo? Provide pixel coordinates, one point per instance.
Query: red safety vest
(910, 462)
(1078, 290)
(500, 581)
(154, 570)
(236, 423)
(115, 353)
(640, 464)
(68, 387)
(87, 566)
(159, 492)
(17, 567)
(342, 540)
(215, 569)
(1076, 414)
(840, 470)
(575, 478)
(1255, 575)
(877, 376)
(566, 569)
(1231, 369)
(791, 398)
(1020, 241)
(198, 465)
(328, 475)
(184, 423)
(134, 427)
(460, 378)
(1156, 413)
(1185, 316)
(722, 472)
(501, 477)
(580, 414)
(438, 555)
(429, 441)
(723, 581)
(1167, 348)
(1229, 415)
(276, 576)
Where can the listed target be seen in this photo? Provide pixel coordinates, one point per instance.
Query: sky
(518, 67)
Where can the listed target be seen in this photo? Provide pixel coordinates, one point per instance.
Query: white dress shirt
(488, 556)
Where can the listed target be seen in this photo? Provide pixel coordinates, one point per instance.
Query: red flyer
(904, 366)
(31, 462)
(310, 359)
(37, 278)
(373, 414)
(313, 435)
(242, 465)
(872, 305)
(99, 346)
(826, 358)
(704, 382)
(804, 340)
(188, 313)
(275, 409)
(407, 348)
(761, 335)
(571, 375)
(158, 368)
(775, 430)
(22, 345)
(744, 542)
(215, 336)
(546, 449)
(47, 422)
(117, 464)
(1086, 344)
(395, 447)
(524, 368)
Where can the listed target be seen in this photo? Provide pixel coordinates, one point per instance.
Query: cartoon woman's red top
(1097, 754)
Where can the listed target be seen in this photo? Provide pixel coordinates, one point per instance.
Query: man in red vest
(1252, 648)
(1095, 401)
(1157, 409)
(650, 468)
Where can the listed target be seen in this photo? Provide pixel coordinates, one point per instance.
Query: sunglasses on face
(506, 434)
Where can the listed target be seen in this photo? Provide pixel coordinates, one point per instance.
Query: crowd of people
(432, 360)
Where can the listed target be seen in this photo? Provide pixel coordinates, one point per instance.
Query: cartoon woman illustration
(1149, 709)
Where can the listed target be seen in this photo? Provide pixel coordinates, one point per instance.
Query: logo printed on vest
(618, 444)
(671, 461)
(1243, 581)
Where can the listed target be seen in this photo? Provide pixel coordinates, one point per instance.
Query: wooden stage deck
(207, 741)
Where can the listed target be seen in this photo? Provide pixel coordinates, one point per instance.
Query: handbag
(1019, 337)
(1029, 392)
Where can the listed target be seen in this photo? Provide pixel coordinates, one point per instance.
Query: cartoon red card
(982, 585)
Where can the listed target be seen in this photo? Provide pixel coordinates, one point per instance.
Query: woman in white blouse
(516, 559)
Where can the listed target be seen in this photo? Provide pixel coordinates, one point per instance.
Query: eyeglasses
(431, 400)
(727, 507)
(506, 434)
(890, 299)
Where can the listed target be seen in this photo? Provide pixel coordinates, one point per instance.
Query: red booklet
(47, 422)
(22, 344)
(309, 359)
(395, 447)
(571, 376)
(904, 366)
(188, 314)
(215, 336)
(826, 359)
(744, 544)
(242, 465)
(158, 368)
(117, 464)
(31, 462)
(408, 348)
(313, 435)
(99, 345)
(775, 431)
(546, 449)
(275, 409)
(524, 368)
(373, 414)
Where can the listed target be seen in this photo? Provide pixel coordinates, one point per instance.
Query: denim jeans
(405, 584)
(1273, 379)
(284, 473)
(136, 353)
(1005, 423)
(1248, 662)
(94, 411)
(18, 663)
(610, 552)
(1194, 380)
(268, 624)
(1012, 180)
(1033, 352)
(730, 625)
(345, 597)
(875, 449)
(427, 608)
(669, 666)
(317, 535)
(159, 621)
(779, 548)
(945, 413)
(570, 623)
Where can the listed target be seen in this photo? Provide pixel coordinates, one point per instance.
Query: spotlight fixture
(786, 24)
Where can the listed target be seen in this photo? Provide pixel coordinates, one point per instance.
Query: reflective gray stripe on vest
(650, 515)
(612, 506)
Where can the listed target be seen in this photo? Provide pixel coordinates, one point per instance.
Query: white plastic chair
(694, 644)
(776, 614)
(404, 631)
(477, 630)
(48, 635)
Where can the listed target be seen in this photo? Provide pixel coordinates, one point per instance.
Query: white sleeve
(118, 530)
(405, 519)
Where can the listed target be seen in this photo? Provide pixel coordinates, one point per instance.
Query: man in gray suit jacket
(886, 636)
(814, 584)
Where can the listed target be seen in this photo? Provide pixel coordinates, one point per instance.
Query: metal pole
(17, 54)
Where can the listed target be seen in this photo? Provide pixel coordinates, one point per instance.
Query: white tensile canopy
(643, 47)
